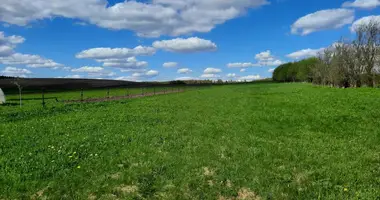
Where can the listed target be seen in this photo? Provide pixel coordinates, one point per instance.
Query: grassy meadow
(253, 141)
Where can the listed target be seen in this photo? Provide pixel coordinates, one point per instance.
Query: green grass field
(258, 141)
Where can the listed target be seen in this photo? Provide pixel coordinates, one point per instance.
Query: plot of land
(259, 141)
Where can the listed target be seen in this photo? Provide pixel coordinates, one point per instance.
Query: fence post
(43, 98)
(108, 93)
(142, 91)
(127, 92)
(81, 94)
(154, 91)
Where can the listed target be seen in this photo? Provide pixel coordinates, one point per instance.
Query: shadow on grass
(33, 99)
(9, 104)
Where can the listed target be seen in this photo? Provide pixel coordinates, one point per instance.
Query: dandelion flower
(78, 167)
(345, 189)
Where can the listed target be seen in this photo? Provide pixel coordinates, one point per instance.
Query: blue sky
(197, 39)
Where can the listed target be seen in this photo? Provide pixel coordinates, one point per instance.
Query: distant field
(259, 141)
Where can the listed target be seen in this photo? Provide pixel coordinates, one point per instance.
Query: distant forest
(354, 63)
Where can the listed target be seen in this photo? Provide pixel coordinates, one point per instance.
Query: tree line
(347, 63)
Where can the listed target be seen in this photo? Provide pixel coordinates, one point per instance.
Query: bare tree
(367, 50)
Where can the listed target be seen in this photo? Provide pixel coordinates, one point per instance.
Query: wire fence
(49, 97)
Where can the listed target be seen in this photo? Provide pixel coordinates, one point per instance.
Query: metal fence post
(81, 95)
(43, 98)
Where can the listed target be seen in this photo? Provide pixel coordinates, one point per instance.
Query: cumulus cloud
(75, 76)
(148, 74)
(323, 20)
(109, 53)
(271, 70)
(123, 58)
(170, 64)
(33, 61)
(184, 71)
(212, 71)
(264, 58)
(148, 19)
(7, 44)
(242, 65)
(15, 72)
(243, 70)
(363, 4)
(305, 53)
(365, 21)
(231, 75)
(94, 71)
(210, 76)
(186, 78)
(189, 45)
(250, 78)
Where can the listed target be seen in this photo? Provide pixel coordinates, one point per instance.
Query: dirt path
(134, 96)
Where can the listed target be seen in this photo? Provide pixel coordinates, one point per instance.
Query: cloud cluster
(170, 64)
(189, 45)
(148, 19)
(96, 72)
(305, 53)
(264, 58)
(323, 20)
(184, 71)
(109, 53)
(9, 57)
(15, 72)
(211, 73)
(363, 4)
(7, 44)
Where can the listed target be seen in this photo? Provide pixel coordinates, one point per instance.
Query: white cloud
(363, 4)
(33, 61)
(211, 76)
(149, 18)
(189, 45)
(94, 71)
(109, 53)
(242, 65)
(170, 64)
(87, 69)
(7, 44)
(231, 75)
(264, 58)
(323, 20)
(76, 76)
(186, 78)
(250, 78)
(305, 53)
(243, 70)
(184, 71)
(271, 70)
(148, 74)
(365, 21)
(15, 72)
(212, 71)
